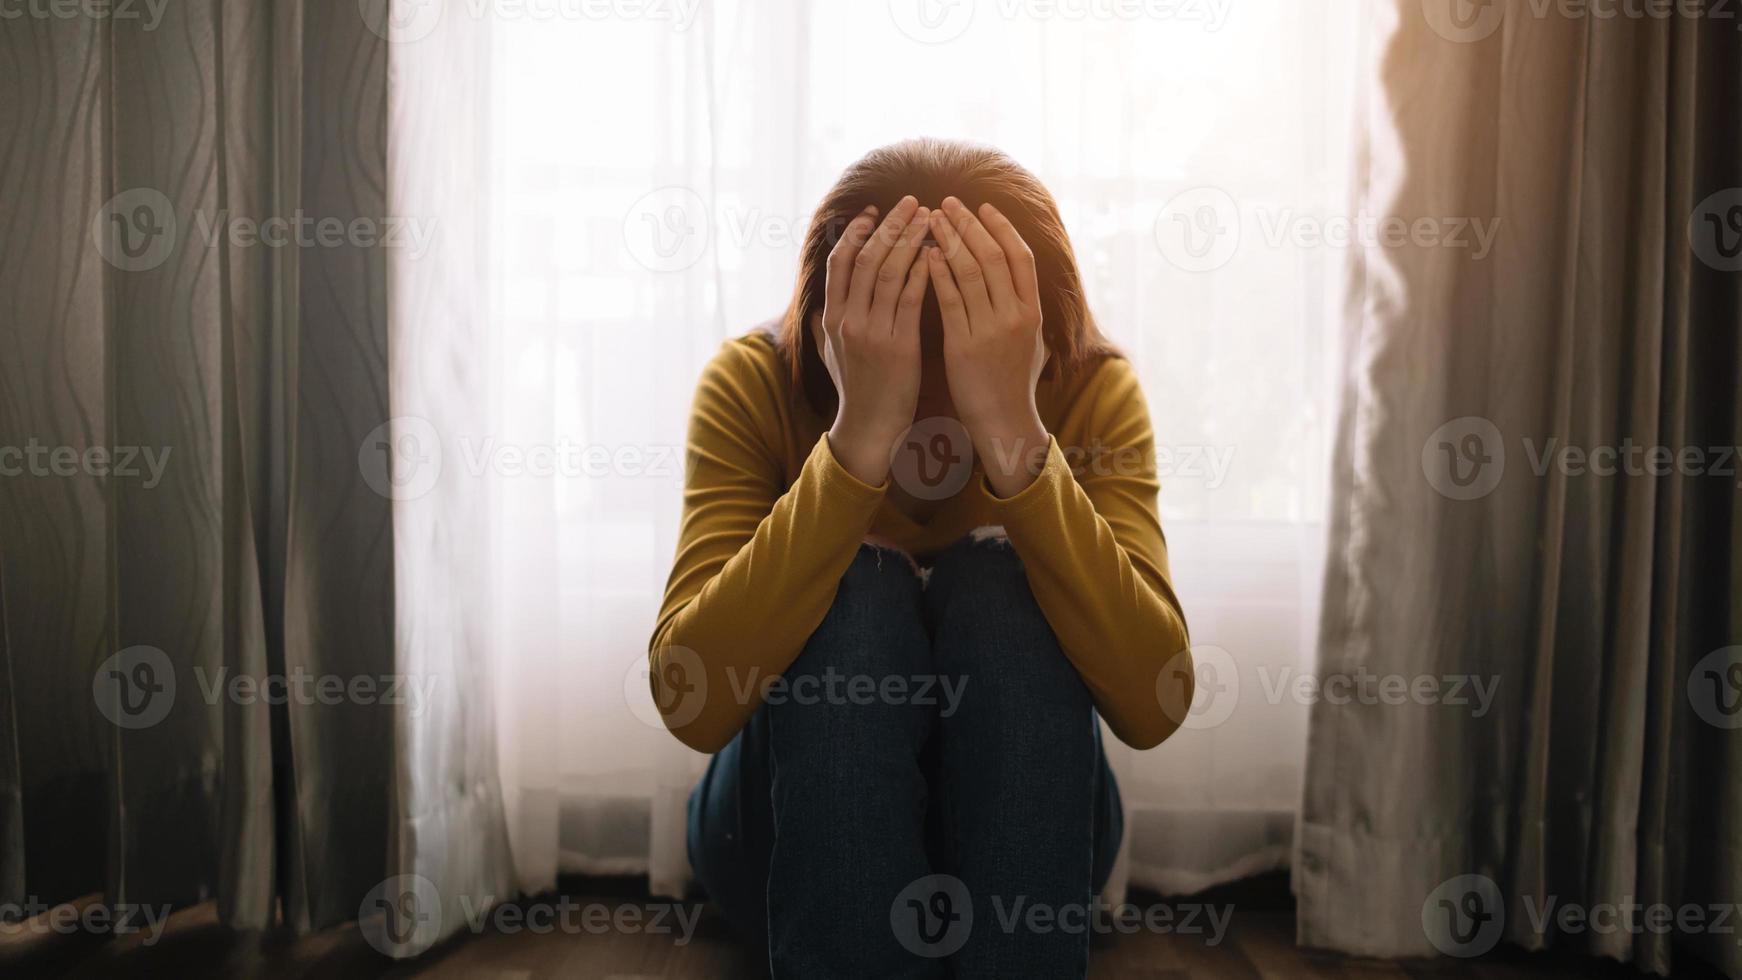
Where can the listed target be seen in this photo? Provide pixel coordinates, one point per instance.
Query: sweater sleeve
(1092, 546)
(756, 567)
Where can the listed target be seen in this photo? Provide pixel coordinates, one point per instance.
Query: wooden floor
(1259, 944)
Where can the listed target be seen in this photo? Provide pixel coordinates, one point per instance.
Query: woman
(919, 553)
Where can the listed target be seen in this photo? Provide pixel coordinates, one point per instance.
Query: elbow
(1148, 732)
(1175, 686)
(699, 737)
(678, 681)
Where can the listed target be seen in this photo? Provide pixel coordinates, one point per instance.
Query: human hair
(930, 170)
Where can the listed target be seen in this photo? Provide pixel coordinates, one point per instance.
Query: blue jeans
(924, 793)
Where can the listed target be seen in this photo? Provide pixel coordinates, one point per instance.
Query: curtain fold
(1480, 531)
(196, 548)
(448, 826)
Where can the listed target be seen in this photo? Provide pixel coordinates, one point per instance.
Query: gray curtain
(1465, 544)
(244, 538)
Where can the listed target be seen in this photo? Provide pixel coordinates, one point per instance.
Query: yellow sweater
(771, 521)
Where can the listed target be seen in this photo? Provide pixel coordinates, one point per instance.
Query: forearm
(745, 623)
(1114, 610)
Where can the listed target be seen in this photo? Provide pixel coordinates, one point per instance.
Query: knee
(991, 630)
(875, 625)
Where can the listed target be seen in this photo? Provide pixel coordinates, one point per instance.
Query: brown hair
(932, 169)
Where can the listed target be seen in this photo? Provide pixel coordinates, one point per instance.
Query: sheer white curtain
(653, 178)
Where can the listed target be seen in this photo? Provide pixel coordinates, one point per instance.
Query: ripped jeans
(924, 792)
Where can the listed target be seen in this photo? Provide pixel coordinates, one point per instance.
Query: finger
(970, 280)
(907, 309)
(1020, 256)
(820, 337)
(986, 251)
(840, 264)
(892, 277)
(870, 258)
(950, 303)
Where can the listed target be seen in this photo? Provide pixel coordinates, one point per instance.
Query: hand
(869, 335)
(989, 296)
